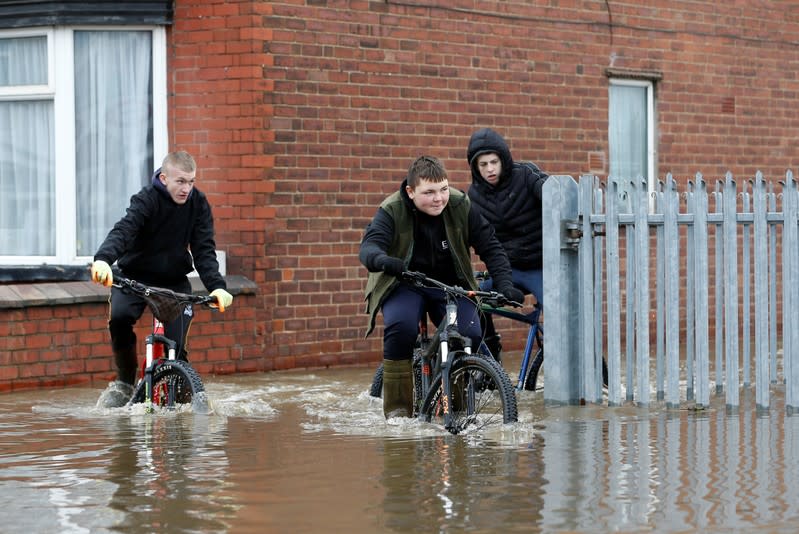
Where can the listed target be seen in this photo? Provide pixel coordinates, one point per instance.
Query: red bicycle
(165, 380)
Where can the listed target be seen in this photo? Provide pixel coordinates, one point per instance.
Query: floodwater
(310, 451)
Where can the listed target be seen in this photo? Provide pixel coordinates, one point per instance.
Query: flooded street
(310, 451)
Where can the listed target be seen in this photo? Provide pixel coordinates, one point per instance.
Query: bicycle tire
(174, 382)
(376, 388)
(530, 381)
(482, 394)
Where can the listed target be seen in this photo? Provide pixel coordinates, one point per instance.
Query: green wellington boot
(397, 388)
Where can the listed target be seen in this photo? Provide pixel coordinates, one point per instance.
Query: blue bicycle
(533, 356)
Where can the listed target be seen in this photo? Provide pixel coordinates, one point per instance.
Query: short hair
(427, 168)
(180, 160)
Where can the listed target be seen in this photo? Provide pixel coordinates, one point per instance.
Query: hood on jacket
(487, 141)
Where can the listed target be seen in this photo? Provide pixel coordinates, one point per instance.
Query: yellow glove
(101, 273)
(223, 298)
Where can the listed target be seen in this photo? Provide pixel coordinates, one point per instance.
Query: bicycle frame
(435, 353)
(534, 334)
(449, 330)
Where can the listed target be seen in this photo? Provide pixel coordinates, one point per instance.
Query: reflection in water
(454, 484)
(77, 469)
(160, 466)
(311, 452)
(672, 470)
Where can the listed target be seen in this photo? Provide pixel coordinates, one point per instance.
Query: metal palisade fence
(677, 290)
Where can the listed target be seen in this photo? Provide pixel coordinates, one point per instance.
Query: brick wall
(67, 342)
(360, 88)
(304, 114)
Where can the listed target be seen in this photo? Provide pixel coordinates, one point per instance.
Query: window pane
(628, 132)
(113, 128)
(27, 179)
(23, 61)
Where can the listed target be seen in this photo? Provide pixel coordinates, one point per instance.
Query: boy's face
(490, 167)
(178, 183)
(430, 197)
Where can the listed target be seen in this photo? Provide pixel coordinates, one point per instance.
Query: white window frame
(60, 88)
(651, 151)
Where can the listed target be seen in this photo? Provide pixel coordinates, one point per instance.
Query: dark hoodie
(513, 206)
(152, 242)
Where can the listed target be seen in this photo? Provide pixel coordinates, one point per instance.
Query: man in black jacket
(509, 197)
(167, 231)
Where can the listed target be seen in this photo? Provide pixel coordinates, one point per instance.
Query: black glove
(512, 293)
(392, 266)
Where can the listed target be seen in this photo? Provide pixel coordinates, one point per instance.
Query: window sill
(65, 293)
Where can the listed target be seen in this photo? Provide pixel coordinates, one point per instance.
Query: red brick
(8, 373)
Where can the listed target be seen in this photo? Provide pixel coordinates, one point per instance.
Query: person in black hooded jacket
(508, 195)
(167, 231)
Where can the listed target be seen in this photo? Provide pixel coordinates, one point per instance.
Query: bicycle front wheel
(175, 382)
(531, 380)
(481, 395)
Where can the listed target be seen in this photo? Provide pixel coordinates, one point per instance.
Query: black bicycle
(453, 386)
(166, 381)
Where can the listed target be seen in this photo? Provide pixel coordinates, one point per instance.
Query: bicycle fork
(446, 363)
(528, 351)
(154, 350)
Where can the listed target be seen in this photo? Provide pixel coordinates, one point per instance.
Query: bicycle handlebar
(144, 290)
(493, 298)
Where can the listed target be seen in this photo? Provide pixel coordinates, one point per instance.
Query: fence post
(747, 283)
(718, 274)
(790, 298)
(598, 350)
(690, 295)
(701, 294)
(671, 284)
(762, 289)
(730, 285)
(613, 292)
(642, 282)
(629, 287)
(590, 391)
(772, 291)
(561, 238)
(661, 246)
